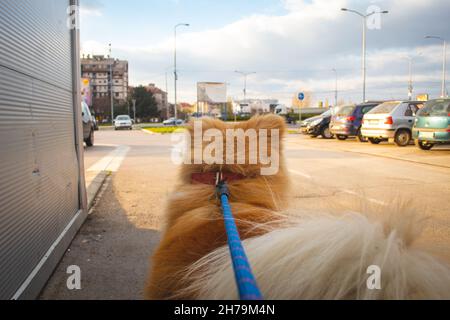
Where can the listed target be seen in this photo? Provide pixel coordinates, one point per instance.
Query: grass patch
(292, 131)
(163, 130)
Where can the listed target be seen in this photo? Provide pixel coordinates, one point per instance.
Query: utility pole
(245, 74)
(167, 98)
(410, 81)
(134, 109)
(364, 18)
(175, 66)
(111, 83)
(336, 88)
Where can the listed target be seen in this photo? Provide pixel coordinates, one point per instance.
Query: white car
(123, 122)
(173, 122)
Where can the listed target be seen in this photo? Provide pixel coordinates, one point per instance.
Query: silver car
(391, 121)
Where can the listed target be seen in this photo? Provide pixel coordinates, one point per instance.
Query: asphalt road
(113, 247)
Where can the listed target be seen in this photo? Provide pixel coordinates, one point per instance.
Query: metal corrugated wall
(39, 176)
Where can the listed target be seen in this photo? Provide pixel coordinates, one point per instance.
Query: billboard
(212, 92)
(86, 92)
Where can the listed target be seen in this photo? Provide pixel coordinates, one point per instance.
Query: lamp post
(364, 17)
(134, 109)
(245, 74)
(175, 65)
(111, 84)
(336, 88)
(444, 62)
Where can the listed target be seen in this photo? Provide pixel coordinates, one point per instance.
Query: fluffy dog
(306, 256)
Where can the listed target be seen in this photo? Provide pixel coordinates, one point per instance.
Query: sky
(291, 45)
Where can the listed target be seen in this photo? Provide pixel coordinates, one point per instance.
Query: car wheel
(402, 138)
(90, 140)
(424, 145)
(326, 133)
(361, 138)
(374, 141)
(341, 137)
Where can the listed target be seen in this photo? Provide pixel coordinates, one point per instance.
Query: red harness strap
(210, 178)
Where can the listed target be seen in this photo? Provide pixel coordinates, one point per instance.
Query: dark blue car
(347, 121)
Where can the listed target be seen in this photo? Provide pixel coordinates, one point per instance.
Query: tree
(146, 105)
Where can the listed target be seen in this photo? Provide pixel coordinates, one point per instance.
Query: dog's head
(249, 152)
(250, 149)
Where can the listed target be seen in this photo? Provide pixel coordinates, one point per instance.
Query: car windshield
(123, 118)
(386, 107)
(437, 108)
(326, 114)
(345, 111)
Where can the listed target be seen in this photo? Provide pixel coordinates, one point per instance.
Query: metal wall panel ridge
(38, 164)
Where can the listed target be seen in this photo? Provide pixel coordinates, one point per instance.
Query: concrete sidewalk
(114, 245)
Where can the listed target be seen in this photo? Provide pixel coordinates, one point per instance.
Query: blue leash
(245, 280)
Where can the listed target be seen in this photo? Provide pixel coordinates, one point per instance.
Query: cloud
(91, 8)
(297, 51)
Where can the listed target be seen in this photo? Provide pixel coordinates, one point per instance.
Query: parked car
(347, 120)
(95, 123)
(88, 125)
(432, 124)
(173, 122)
(123, 122)
(320, 126)
(391, 121)
(304, 124)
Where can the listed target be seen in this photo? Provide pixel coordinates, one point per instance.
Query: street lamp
(364, 17)
(335, 88)
(245, 74)
(444, 61)
(175, 66)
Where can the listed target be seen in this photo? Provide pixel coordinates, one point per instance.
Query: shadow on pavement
(111, 251)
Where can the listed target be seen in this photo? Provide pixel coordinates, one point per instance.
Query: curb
(148, 132)
(94, 187)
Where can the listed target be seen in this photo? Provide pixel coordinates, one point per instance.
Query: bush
(163, 130)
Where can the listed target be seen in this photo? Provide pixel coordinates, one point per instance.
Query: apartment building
(98, 70)
(159, 95)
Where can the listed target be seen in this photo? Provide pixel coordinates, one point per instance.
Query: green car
(432, 125)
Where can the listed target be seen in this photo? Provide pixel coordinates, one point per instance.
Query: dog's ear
(269, 122)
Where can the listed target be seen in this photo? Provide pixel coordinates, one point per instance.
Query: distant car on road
(123, 122)
(432, 124)
(391, 121)
(88, 125)
(320, 126)
(173, 122)
(348, 119)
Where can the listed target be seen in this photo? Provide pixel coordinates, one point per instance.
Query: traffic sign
(301, 96)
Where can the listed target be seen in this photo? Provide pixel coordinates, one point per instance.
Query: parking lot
(114, 245)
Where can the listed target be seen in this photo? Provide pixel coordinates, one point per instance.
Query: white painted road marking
(347, 191)
(112, 161)
(304, 175)
(360, 196)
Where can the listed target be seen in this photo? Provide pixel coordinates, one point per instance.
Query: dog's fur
(313, 256)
